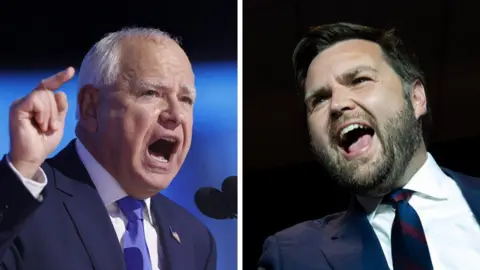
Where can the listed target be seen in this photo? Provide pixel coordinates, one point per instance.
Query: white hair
(100, 67)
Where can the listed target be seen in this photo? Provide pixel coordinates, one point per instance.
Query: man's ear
(418, 99)
(88, 98)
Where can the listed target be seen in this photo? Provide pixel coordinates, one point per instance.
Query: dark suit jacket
(343, 241)
(71, 230)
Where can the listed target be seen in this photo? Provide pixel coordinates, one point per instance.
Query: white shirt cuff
(36, 185)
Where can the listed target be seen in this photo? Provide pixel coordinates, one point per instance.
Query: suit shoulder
(305, 229)
(456, 174)
(462, 178)
(300, 246)
(177, 211)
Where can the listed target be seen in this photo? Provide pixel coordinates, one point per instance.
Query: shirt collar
(109, 189)
(427, 182)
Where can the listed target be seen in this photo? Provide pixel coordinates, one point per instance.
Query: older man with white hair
(96, 204)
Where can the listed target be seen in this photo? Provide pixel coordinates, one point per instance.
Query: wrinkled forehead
(159, 61)
(344, 56)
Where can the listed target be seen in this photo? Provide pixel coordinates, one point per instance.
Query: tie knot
(131, 208)
(398, 196)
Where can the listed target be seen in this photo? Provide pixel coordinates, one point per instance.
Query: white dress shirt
(451, 230)
(110, 192)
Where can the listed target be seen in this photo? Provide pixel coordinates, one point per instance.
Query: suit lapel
(352, 243)
(173, 248)
(86, 210)
(470, 187)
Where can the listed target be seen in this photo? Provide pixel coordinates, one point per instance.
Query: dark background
(282, 183)
(44, 34)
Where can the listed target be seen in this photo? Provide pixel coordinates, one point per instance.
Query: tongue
(360, 144)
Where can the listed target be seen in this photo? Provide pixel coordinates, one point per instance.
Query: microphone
(218, 204)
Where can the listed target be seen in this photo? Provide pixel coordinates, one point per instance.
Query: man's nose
(172, 116)
(341, 101)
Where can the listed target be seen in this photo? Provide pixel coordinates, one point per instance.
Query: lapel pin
(175, 235)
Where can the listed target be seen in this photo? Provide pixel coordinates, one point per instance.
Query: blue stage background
(213, 155)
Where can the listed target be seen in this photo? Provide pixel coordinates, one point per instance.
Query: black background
(282, 183)
(54, 34)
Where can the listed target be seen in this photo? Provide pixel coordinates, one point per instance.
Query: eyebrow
(348, 75)
(353, 72)
(190, 89)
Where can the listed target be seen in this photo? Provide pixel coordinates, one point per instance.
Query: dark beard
(400, 137)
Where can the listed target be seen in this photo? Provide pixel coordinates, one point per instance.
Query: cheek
(383, 104)
(318, 127)
(137, 123)
(188, 128)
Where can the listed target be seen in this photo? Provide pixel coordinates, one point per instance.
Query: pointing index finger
(54, 82)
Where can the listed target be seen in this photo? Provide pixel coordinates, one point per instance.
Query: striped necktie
(409, 245)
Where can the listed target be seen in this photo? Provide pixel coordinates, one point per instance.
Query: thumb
(62, 105)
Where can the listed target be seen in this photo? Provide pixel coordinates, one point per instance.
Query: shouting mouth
(164, 149)
(355, 138)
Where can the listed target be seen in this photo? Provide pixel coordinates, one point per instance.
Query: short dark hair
(320, 38)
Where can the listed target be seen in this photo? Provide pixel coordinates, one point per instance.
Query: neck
(86, 140)
(417, 161)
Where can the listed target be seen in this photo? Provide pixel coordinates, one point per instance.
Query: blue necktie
(409, 245)
(134, 245)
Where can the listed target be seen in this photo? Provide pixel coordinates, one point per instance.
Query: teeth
(172, 140)
(160, 159)
(349, 128)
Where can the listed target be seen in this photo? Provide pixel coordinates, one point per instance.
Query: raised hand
(37, 122)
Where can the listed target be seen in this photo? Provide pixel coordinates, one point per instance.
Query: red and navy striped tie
(409, 245)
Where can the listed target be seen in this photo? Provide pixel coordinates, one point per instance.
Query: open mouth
(163, 149)
(355, 138)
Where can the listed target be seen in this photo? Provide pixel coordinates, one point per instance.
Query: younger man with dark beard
(365, 99)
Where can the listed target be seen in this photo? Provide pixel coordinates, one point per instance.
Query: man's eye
(187, 100)
(315, 101)
(360, 80)
(150, 93)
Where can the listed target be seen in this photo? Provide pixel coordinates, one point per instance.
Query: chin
(158, 182)
(146, 184)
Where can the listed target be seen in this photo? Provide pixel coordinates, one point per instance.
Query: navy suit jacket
(342, 241)
(71, 229)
